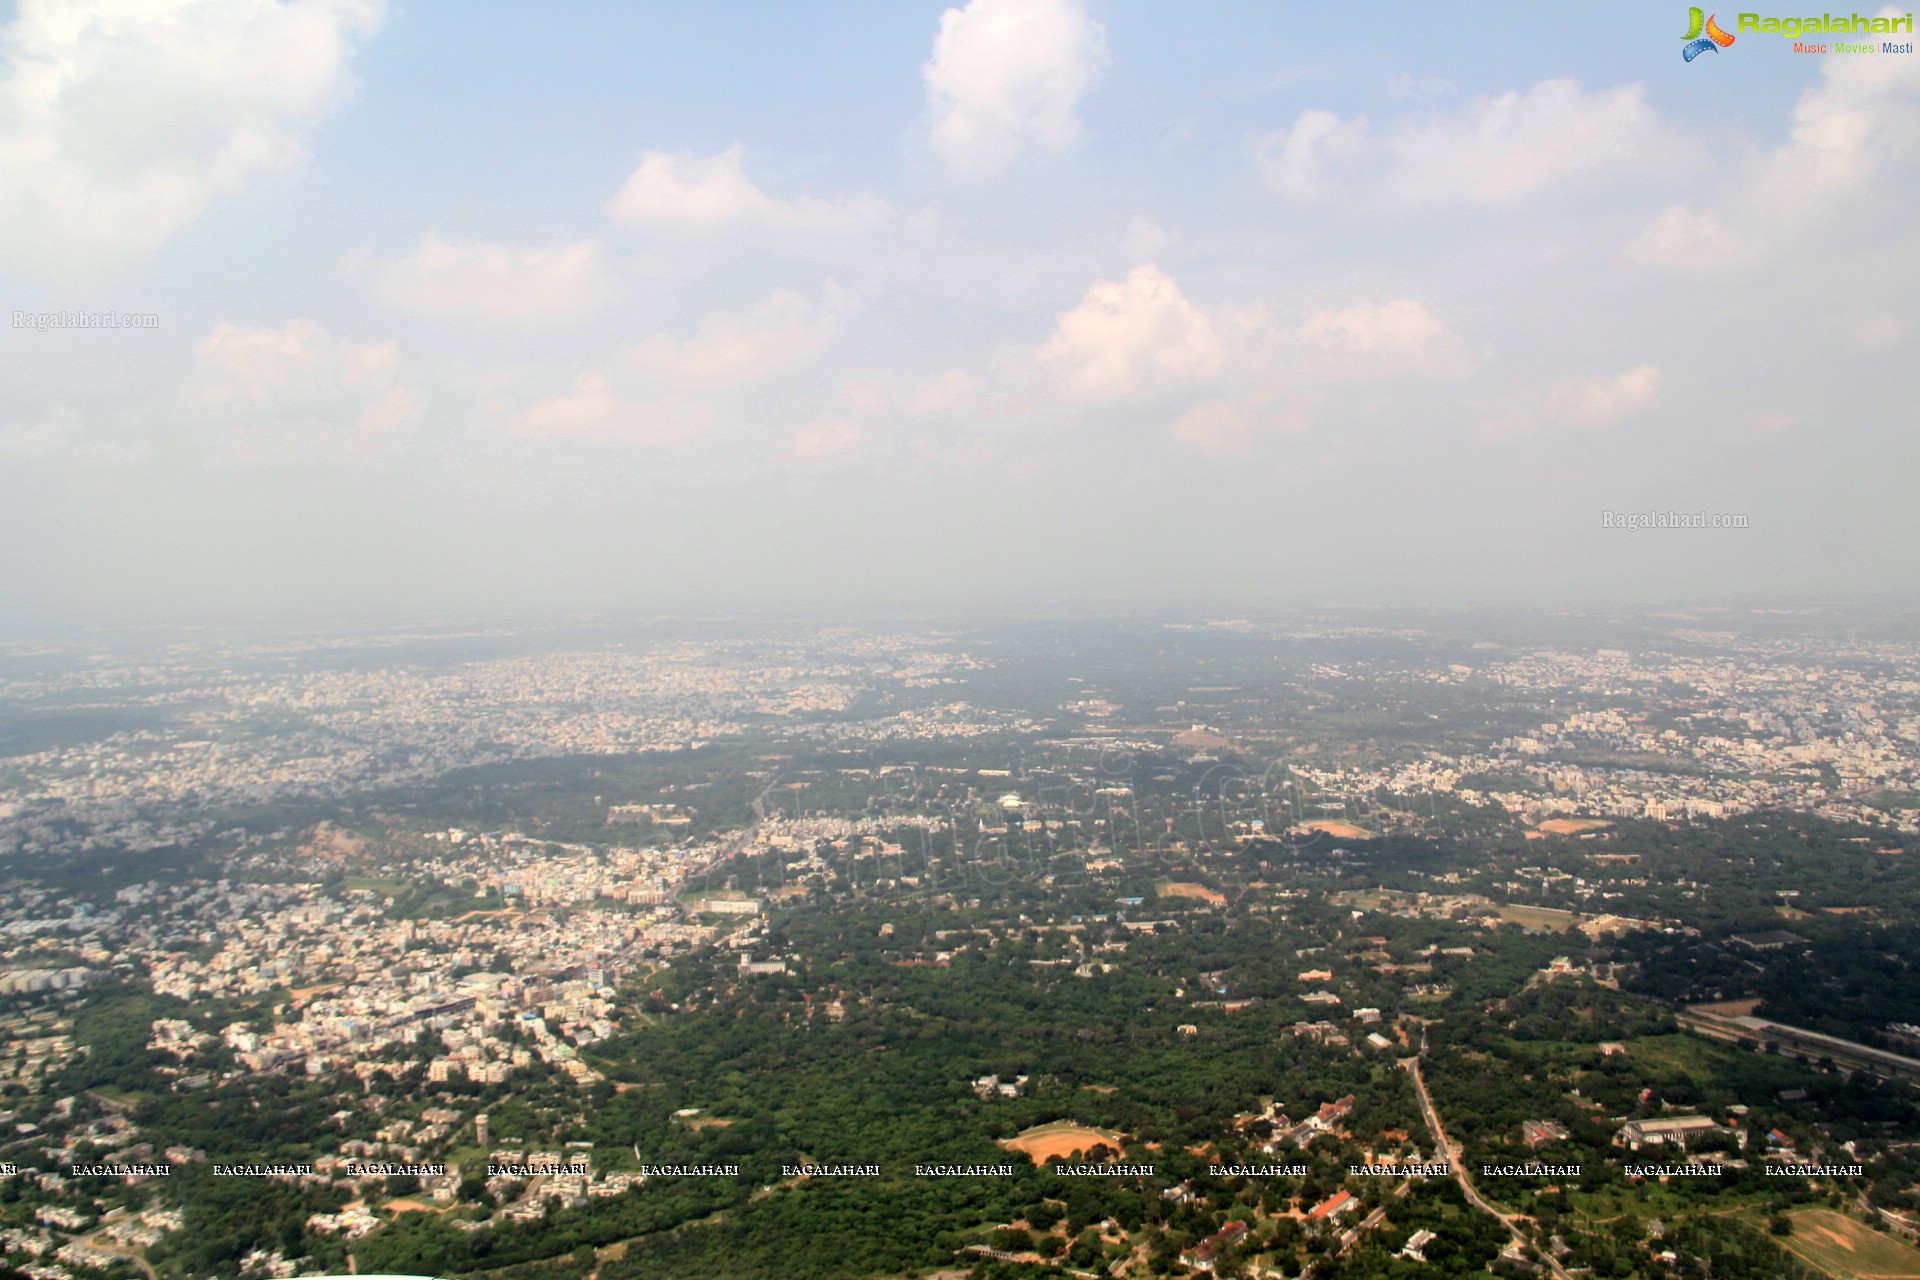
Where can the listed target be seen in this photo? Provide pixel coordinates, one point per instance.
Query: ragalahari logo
(1714, 39)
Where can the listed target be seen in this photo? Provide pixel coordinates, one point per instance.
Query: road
(1371, 1221)
(95, 1244)
(1360, 1228)
(1445, 1150)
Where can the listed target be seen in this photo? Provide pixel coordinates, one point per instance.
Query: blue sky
(479, 308)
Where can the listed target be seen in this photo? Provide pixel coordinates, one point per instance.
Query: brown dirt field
(1186, 889)
(1828, 1234)
(1331, 827)
(1201, 740)
(331, 844)
(1060, 1141)
(1572, 826)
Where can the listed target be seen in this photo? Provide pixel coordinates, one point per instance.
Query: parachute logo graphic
(1714, 39)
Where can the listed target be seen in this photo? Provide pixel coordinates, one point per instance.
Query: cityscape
(455, 913)
(958, 640)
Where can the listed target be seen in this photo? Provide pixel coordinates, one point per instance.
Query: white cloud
(1133, 336)
(51, 433)
(1217, 427)
(1228, 428)
(1008, 73)
(593, 412)
(820, 444)
(867, 395)
(59, 433)
(494, 282)
(122, 120)
(712, 191)
(1578, 402)
(1859, 118)
(732, 350)
(1141, 336)
(298, 390)
(1859, 123)
(1492, 150)
(250, 368)
(1601, 402)
(1387, 339)
(1679, 237)
(1303, 162)
(1497, 149)
(949, 391)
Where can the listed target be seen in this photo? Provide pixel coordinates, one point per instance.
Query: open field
(1546, 919)
(375, 884)
(1186, 889)
(1731, 1008)
(1061, 1139)
(1678, 1053)
(1572, 826)
(1333, 827)
(485, 915)
(331, 844)
(1849, 1250)
(1538, 919)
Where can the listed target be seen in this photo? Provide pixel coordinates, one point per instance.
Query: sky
(477, 309)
